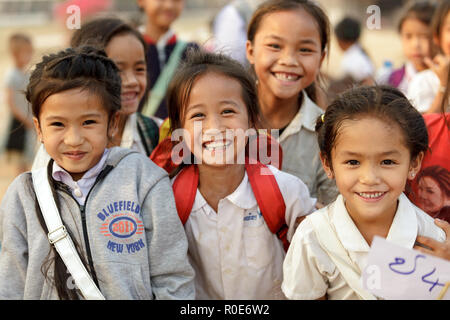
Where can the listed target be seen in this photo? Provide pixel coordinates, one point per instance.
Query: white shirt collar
(306, 117)
(403, 230)
(242, 197)
(130, 135)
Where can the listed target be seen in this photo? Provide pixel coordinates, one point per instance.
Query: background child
(287, 42)
(20, 143)
(126, 47)
(232, 250)
(371, 141)
(164, 50)
(355, 62)
(125, 228)
(415, 32)
(427, 88)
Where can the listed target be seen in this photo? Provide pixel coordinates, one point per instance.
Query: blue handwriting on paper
(401, 261)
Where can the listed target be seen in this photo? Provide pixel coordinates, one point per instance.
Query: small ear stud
(412, 174)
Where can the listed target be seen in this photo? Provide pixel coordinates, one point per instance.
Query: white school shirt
(309, 273)
(233, 252)
(423, 89)
(130, 140)
(356, 64)
(410, 73)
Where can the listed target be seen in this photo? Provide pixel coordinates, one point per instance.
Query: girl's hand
(438, 249)
(440, 66)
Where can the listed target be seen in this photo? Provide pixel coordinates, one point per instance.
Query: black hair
(348, 29)
(420, 10)
(85, 68)
(383, 102)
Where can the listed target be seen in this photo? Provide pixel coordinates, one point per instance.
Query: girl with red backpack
(238, 213)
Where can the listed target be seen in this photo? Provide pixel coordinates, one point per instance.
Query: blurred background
(45, 22)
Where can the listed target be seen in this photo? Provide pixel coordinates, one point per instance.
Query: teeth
(286, 76)
(217, 145)
(129, 96)
(371, 195)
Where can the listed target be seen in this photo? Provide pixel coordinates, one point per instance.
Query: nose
(369, 175)
(73, 137)
(129, 79)
(288, 58)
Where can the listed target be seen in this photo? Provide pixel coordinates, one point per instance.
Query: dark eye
(56, 124)
(228, 111)
(274, 46)
(388, 162)
(197, 115)
(88, 122)
(306, 50)
(353, 162)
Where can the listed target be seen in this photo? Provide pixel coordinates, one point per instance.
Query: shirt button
(78, 193)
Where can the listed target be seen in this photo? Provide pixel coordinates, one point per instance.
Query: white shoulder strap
(330, 242)
(60, 238)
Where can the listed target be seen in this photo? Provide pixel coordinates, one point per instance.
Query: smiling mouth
(75, 155)
(130, 96)
(216, 145)
(371, 196)
(283, 76)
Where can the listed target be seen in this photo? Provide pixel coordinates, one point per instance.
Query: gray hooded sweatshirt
(128, 229)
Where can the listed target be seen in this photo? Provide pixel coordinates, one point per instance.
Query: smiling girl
(371, 142)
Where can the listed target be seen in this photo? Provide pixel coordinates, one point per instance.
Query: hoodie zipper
(82, 208)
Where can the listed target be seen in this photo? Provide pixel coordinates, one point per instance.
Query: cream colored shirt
(309, 272)
(233, 252)
(301, 152)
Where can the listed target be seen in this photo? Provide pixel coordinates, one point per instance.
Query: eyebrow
(222, 102)
(124, 63)
(303, 41)
(89, 115)
(386, 153)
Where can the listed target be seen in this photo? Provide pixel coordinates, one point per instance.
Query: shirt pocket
(258, 243)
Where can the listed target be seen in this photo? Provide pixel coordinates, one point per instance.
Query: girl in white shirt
(371, 141)
(213, 108)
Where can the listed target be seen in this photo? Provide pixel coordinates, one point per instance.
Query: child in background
(415, 32)
(75, 97)
(287, 42)
(126, 47)
(427, 88)
(355, 62)
(232, 250)
(164, 51)
(371, 142)
(20, 143)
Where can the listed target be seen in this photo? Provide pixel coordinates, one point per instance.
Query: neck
(373, 227)
(215, 183)
(155, 32)
(278, 113)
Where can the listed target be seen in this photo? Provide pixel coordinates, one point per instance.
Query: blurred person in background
(20, 142)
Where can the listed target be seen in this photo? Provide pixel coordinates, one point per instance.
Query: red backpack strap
(184, 190)
(269, 199)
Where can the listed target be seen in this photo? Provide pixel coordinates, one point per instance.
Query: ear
(326, 166)
(113, 126)
(37, 127)
(249, 51)
(414, 166)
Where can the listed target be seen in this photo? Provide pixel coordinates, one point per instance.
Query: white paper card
(395, 272)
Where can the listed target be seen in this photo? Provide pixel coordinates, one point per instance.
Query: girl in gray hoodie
(115, 203)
